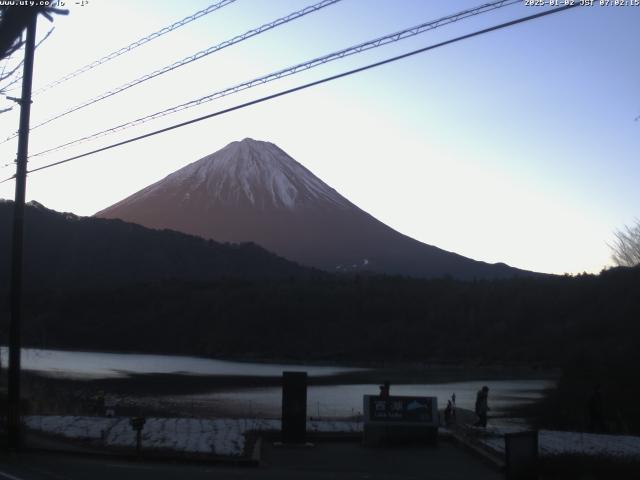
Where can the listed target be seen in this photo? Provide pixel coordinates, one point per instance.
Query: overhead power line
(305, 86)
(375, 43)
(192, 58)
(138, 43)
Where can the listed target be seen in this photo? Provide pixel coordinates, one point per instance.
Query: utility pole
(13, 414)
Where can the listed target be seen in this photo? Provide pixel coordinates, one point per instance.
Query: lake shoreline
(58, 382)
(458, 369)
(218, 396)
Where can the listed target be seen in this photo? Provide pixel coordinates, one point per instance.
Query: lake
(75, 364)
(334, 398)
(346, 400)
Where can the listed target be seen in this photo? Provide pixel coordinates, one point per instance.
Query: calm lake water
(339, 400)
(346, 400)
(73, 364)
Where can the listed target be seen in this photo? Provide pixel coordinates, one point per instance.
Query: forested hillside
(65, 252)
(533, 321)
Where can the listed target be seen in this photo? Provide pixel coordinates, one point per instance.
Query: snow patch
(224, 436)
(259, 173)
(552, 443)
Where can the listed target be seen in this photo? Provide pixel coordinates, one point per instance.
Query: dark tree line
(534, 321)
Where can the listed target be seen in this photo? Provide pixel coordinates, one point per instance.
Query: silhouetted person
(98, 404)
(385, 389)
(448, 413)
(596, 411)
(482, 406)
(453, 406)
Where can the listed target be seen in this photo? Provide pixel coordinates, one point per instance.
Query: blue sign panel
(401, 410)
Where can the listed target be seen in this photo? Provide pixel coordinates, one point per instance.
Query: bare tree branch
(15, 69)
(626, 247)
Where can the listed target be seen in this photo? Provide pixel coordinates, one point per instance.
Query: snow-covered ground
(552, 443)
(227, 436)
(217, 437)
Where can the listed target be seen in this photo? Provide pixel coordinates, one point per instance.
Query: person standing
(385, 390)
(453, 406)
(448, 412)
(482, 406)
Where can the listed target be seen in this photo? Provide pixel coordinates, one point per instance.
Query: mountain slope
(62, 250)
(254, 191)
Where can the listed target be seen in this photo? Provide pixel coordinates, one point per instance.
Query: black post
(139, 444)
(13, 426)
(521, 455)
(294, 407)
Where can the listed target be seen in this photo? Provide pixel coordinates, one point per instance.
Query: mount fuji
(254, 191)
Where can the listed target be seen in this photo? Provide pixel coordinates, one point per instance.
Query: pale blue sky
(518, 146)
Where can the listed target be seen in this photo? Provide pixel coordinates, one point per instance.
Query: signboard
(401, 410)
(137, 423)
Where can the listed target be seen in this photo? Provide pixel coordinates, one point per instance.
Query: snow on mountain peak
(252, 171)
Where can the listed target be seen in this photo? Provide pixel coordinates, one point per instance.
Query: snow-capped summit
(254, 173)
(254, 191)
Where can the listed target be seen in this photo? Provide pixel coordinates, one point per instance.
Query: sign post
(137, 424)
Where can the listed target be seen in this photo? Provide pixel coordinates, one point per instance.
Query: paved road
(324, 461)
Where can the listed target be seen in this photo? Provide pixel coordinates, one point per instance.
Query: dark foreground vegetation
(586, 324)
(567, 406)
